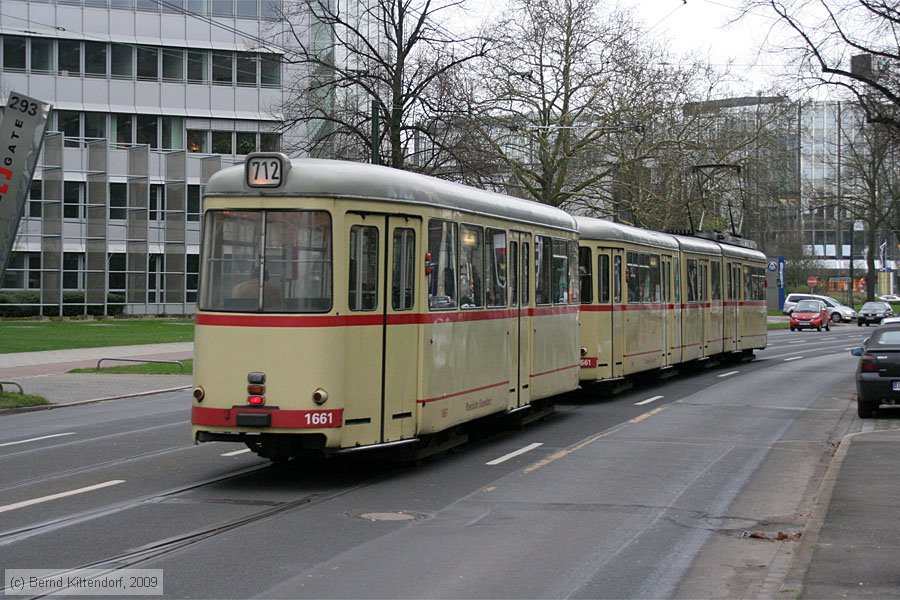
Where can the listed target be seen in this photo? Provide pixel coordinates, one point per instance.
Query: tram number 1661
(322, 418)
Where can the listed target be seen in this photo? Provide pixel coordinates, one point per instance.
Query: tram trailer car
(650, 300)
(346, 306)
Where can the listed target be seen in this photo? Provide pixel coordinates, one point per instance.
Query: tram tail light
(320, 396)
(256, 400)
(256, 389)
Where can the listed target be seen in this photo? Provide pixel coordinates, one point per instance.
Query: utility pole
(376, 139)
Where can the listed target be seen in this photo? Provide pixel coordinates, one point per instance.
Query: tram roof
(599, 229)
(321, 178)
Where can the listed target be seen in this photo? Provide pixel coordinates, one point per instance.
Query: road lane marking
(43, 437)
(647, 401)
(851, 347)
(728, 374)
(506, 457)
(236, 452)
(42, 499)
(800, 342)
(793, 358)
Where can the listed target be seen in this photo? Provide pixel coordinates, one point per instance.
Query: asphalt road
(647, 494)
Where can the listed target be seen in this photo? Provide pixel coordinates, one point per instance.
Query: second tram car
(653, 300)
(345, 306)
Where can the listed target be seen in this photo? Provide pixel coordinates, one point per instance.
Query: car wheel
(865, 409)
(835, 317)
(792, 328)
(859, 323)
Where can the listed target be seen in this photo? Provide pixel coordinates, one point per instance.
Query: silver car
(837, 312)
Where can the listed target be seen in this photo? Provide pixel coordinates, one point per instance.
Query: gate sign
(21, 136)
(812, 281)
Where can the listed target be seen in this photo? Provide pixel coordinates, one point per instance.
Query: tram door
(521, 329)
(618, 312)
(382, 352)
(604, 317)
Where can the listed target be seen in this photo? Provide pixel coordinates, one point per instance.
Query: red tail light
(867, 364)
(256, 400)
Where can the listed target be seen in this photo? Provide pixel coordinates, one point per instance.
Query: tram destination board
(266, 169)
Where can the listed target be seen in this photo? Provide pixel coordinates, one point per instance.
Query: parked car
(809, 314)
(837, 311)
(890, 320)
(873, 312)
(878, 371)
(889, 298)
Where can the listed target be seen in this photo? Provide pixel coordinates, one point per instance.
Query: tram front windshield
(266, 261)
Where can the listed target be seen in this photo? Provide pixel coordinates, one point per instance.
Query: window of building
(147, 63)
(221, 142)
(173, 6)
(157, 202)
(173, 133)
(126, 4)
(94, 125)
(269, 142)
(68, 57)
(197, 140)
(222, 68)
(34, 198)
(222, 8)
(245, 142)
(41, 55)
(118, 204)
(147, 130)
(122, 63)
(246, 68)
(270, 9)
(95, 59)
(147, 5)
(117, 268)
(72, 270)
(14, 52)
(193, 202)
(245, 8)
(120, 124)
(201, 7)
(270, 70)
(198, 67)
(72, 199)
(173, 64)
(191, 281)
(69, 122)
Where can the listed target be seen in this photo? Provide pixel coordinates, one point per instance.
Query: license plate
(895, 385)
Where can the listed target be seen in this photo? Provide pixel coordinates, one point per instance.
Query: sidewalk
(46, 373)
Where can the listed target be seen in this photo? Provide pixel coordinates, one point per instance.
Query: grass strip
(16, 400)
(143, 369)
(35, 336)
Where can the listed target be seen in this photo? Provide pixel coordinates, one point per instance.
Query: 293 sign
(23, 106)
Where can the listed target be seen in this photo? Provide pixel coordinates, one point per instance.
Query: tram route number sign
(266, 169)
(21, 137)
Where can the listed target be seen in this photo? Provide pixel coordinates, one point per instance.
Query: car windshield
(886, 338)
(808, 306)
(873, 306)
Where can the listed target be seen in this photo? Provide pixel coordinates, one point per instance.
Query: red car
(808, 314)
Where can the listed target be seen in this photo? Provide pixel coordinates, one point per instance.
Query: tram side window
(586, 274)
(362, 293)
(495, 268)
(603, 278)
(653, 289)
(403, 270)
(754, 283)
(513, 273)
(677, 267)
(526, 274)
(635, 277)
(702, 278)
(574, 288)
(559, 283)
(471, 264)
(298, 261)
(716, 281)
(442, 266)
(543, 261)
(692, 291)
(617, 280)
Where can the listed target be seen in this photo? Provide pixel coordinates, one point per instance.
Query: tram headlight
(320, 396)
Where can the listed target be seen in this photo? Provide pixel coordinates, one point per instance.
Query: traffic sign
(812, 281)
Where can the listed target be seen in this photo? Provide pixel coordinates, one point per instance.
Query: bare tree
(392, 52)
(849, 44)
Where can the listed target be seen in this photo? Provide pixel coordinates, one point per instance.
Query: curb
(25, 409)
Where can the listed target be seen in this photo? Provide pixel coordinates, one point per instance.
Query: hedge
(26, 304)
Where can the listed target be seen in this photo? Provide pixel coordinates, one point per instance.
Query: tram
(650, 300)
(347, 306)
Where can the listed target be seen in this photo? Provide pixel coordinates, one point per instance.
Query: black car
(873, 312)
(878, 372)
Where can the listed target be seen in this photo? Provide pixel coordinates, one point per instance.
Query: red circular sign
(812, 281)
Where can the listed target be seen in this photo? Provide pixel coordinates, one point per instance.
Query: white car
(889, 298)
(836, 311)
(890, 320)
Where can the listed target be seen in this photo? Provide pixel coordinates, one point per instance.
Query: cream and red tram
(653, 300)
(347, 306)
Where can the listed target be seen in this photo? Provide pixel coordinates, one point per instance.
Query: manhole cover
(388, 516)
